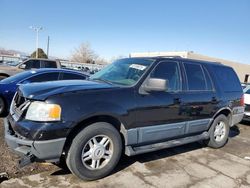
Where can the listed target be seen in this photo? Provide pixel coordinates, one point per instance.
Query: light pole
(36, 29)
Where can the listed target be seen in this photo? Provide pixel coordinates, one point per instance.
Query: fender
(220, 110)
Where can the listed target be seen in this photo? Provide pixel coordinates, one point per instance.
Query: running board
(129, 150)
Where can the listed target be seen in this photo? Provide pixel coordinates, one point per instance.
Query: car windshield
(18, 77)
(123, 72)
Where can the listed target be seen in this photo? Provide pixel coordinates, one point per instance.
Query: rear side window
(70, 76)
(227, 79)
(43, 77)
(49, 64)
(195, 77)
(210, 86)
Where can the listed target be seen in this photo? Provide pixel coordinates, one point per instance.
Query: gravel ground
(186, 166)
(9, 161)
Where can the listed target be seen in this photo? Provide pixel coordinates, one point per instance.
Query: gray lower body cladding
(157, 133)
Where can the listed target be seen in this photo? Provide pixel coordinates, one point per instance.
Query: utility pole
(36, 29)
(48, 47)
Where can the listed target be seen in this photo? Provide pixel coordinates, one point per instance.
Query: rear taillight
(242, 101)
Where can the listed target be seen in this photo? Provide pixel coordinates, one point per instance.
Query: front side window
(124, 72)
(43, 78)
(32, 64)
(168, 71)
(195, 77)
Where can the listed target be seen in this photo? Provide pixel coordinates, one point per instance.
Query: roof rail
(170, 56)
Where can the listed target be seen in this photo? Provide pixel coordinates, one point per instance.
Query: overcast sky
(115, 27)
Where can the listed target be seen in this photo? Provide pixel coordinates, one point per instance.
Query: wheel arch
(115, 122)
(4, 74)
(225, 111)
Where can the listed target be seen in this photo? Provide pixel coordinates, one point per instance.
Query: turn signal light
(242, 101)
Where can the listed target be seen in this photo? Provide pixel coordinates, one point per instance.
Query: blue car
(9, 85)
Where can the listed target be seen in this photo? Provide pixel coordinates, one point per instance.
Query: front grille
(247, 107)
(19, 105)
(19, 100)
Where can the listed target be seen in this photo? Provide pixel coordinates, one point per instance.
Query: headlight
(41, 111)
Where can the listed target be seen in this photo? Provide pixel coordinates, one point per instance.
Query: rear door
(199, 99)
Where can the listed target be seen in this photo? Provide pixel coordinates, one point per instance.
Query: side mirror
(156, 84)
(22, 66)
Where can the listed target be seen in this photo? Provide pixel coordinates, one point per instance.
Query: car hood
(41, 91)
(7, 67)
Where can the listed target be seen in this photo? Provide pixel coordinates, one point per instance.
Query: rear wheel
(3, 77)
(219, 132)
(95, 151)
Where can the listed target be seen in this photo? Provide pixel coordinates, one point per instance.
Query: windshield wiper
(102, 80)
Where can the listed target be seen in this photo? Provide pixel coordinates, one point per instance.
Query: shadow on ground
(143, 158)
(165, 153)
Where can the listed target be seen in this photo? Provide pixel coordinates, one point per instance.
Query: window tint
(195, 77)
(43, 77)
(208, 79)
(170, 72)
(70, 76)
(32, 64)
(227, 78)
(49, 64)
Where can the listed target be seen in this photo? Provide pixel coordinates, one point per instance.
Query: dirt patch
(9, 161)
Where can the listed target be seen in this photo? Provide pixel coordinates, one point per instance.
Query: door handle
(177, 100)
(214, 100)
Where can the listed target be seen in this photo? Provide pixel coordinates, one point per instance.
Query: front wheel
(219, 132)
(95, 151)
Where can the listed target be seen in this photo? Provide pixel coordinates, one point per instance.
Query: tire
(2, 107)
(3, 77)
(82, 144)
(215, 140)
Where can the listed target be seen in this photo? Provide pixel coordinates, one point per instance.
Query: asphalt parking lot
(187, 166)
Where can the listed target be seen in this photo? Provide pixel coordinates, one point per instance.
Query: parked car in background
(244, 85)
(13, 68)
(247, 103)
(135, 105)
(9, 85)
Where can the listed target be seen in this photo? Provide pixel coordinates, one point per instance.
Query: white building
(242, 70)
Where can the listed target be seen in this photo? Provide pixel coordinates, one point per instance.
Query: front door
(158, 112)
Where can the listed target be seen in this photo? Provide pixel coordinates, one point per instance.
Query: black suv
(134, 105)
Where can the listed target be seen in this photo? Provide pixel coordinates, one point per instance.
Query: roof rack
(170, 56)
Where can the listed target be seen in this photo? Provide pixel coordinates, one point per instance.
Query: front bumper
(45, 150)
(237, 116)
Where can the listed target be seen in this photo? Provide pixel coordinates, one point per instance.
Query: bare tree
(114, 58)
(84, 54)
(101, 61)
